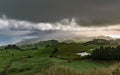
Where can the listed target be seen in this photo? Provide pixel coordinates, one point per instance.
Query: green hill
(97, 42)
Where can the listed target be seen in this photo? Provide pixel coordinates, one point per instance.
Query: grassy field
(82, 65)
(36, 57)
(32, 62)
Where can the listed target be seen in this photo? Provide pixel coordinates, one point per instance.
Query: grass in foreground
(59, 71)
(63, 70)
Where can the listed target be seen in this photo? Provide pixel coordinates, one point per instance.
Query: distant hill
(48, 43)
(67, 40)
(103, 37)
(116, 41)
(97, 42)
(86, 39)
(28, 41)
(36, 41)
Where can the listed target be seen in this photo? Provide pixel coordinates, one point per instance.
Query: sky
(58, 19)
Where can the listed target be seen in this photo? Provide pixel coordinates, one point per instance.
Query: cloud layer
(12, 30)
(63, 25)
(87, 12)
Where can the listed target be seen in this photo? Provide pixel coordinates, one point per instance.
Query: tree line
(106, 53)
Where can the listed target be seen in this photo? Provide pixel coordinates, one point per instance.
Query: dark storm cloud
(87, 12)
